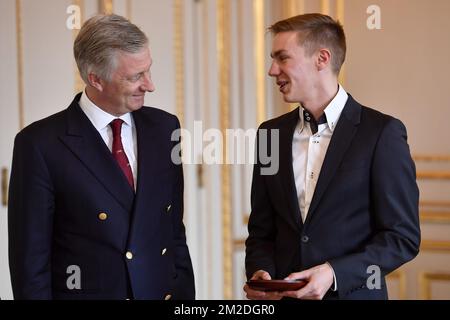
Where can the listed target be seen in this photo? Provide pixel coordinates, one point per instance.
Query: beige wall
(403, 70)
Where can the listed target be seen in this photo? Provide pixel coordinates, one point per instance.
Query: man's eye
(136, 77)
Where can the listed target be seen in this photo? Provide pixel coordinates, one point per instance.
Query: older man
(96, 202)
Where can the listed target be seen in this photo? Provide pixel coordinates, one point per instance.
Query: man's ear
(323, 59)
(95, 81)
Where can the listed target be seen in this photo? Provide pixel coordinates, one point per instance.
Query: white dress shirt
(308, 153)
(308, 150)
(101, 120)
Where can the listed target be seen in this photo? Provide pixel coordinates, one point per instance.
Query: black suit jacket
(364, 210)
(63, 176)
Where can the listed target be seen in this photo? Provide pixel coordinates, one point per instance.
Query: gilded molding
(400, 276)
(340, 15)
(129, 10)
(106, 6)
(5, 186)
(425, 279)
(223, 50)
(206, 111)
(179, 57)
(239, 244)
(78, 83)
(431, 158)
(293, 7)
(433, 175)
(325, 6)
(259, 52)
(19, 42)
(435, 245)
(434, 203)
(435, 216)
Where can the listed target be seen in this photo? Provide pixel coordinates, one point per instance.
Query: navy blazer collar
(88, 146)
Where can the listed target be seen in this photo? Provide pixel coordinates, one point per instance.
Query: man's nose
(274, 69)
(147, 85)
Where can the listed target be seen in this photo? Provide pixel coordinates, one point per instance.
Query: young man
(345, 200)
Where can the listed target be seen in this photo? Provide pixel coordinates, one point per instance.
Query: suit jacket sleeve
(394, 207)
(261, 227)
(30, 219)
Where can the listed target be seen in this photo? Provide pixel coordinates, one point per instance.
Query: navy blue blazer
(63, 177)
(364, 210)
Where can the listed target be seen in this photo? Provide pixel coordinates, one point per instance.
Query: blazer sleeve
(185, 286)
(394, 209)
(30, 219)
(260, 244)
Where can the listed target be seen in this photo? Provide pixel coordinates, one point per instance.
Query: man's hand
(261, 295)
(319, 278)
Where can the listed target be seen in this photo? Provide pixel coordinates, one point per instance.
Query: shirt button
(167, 297)
(305, 239)
(168, 208)
(163, 252)
(129, 255)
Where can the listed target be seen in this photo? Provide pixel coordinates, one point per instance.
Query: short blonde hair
(316, 30)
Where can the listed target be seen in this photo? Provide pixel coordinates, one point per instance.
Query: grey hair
(99, 40)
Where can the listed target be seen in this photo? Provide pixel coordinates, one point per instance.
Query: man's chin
(134, 107)
(288, 99)
(136, 104)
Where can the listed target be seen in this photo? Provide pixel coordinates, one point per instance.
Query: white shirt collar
(99, 118)
(332, 111)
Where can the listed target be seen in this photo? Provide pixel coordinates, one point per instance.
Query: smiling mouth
(282, 85)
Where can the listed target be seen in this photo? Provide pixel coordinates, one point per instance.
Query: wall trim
(79, 84)
(435, 216)
(433, 175)
(425, 279)
(178, 10)
(19, 42)
(431, 157)
(106, 6)
(400, 276)
(223, 51)
(129, 10)
(435, 245)
(259, 52)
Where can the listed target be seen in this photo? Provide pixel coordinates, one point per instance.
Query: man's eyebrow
(277, 53)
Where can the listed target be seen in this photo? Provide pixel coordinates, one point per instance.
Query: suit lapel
(149, 138)
(340, 141)
(87, 145)
(146, 131)
(286, 172)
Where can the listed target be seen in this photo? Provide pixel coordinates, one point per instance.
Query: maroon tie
(118, 151)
